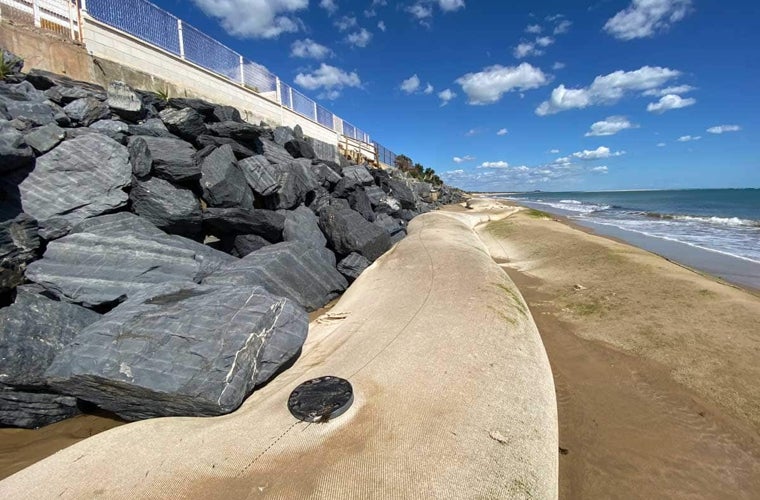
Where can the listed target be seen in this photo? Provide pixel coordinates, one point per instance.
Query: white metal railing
(60, 16)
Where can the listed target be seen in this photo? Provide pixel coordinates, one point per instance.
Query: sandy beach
(654, 364)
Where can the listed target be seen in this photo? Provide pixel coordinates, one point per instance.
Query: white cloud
(254, 18)
(533, 29)
(445, 96)
(502, 131)
(596, 154)
(678, 89)
(308, 48)
(471, 132)
(411, 84)
(601, 169)
(720, 129)
(451, 5)
(554, 151)
(454, 172)
(329, 6)
(420, 12)
(428, 90)
(558, 65)
(610, 126)
(494, 164)
(661, 144)
(489, 85)
(381, 26)
(463, 159)
(645, 18)
(689, 138)
(526, 49)
(606, 89)
(329, 78)
(544, 41)
(360, 38)
(562, 27)
(345, 23)
(668, 102)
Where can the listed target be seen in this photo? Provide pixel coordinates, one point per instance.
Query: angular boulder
(152, 127)
(222, 181)
(326, 176)
(86, 111)
(43, 139)
(171, 209)
(226, 114)
(244, 244)
(186, 123)
(347, 231)
(19, 244)
(232, 221)
(30, 410)
(359, 174)
(282, 135)
(359, 201)
(302, 225)
(181, 350)
(272, 151)
(260, 175)
(352, 266)
(391, 225)
(14, 151)
(170, 159)
(296, 180)
(108, 258)
(81, 178)
(13, 63)
(403, 193)
(303, 273)
(300, 149)
(205, 108)
(245, 133)
(124, 101)
(241, 152)
(31, 112)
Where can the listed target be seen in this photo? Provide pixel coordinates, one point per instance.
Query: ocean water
(725, 221)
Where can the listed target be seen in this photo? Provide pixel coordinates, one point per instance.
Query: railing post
(36, 11)
(242, 72)
(278, 89)
(290, 91)
(71, 19)
(316, 117)
(83, 5)
(181, 39)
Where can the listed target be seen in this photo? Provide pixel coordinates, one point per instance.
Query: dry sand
(656, 367)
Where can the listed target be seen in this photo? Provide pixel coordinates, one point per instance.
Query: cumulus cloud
(562, 27)
(668, 102)
(329, 78)
(534, 29)
(446, 96)
(329, 6)
(345, 23)
(661, 144)
(308, 48)
(544, 41)
(463, 159)
(451, 5)
(600, 169)
(381, 26)
(554, 151)
(593, 154)
(607, 89)
(720, 129)
(471, 132)
(646, 18)
(422, 10)
(428, 89)
(254, 18)
(526, 49)
(502, 131)
(360, 38)
(678, 89)
(610, 126)
(494, 164)
(411, 84)
(488, 86)
(689, 138)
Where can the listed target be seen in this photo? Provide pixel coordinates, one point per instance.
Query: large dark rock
(303, 273)
(423, 191)
(43, 80)
(170, 159)
(391, 225)
(23, 91)
(261, 175)
(186, 123)
(347, 231)
(244, 244)
(152, 127)
(174, 350)
(296, 180)
(226, 114)
(300, 149)
(326, 176)
(13, 63)
(272, 151)
(31, 112)
(222, 181)
(124, 101)
(43, 139)
(115, 129)
(403, 193)
(108, 258)
(14, 152)
(31, 410)
(245, 133)
(65, 95)
(205, 108)
(302, 225)
(171, 209)
(359, 201)
(283, 135)
(81, 178)
(241, 152)
(359, 174)
(86, 111)
(231, 221)
(353, 265)
(32, 331)
(19, 245)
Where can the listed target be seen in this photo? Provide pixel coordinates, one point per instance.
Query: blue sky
(549, 95)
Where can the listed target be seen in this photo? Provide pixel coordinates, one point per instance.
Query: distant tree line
(418, 171)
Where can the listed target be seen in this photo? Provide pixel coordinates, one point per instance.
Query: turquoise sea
(725, 221)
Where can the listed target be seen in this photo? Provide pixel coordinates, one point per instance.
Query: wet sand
(655, 366)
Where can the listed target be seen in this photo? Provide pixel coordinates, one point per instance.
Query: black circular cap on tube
(321, 399)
